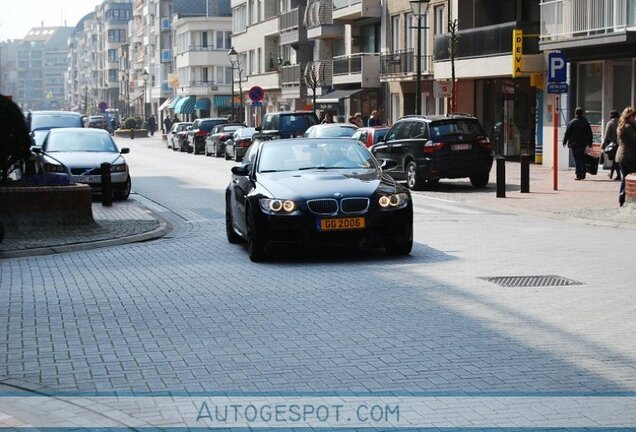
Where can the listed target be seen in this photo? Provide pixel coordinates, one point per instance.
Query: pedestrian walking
(175, 119)
(152, 125)
(167, 124)
(374, 120)
(626, 153)
(356, 119)
(610, 144)
(328, 118)
(578, 136)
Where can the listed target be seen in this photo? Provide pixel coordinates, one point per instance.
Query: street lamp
(233, 60)
(145, 74)
(419, 8)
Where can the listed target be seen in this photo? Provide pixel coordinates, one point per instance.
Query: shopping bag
(591, 164)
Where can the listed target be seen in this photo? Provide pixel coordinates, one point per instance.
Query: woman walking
(610, 139)
(626, 154)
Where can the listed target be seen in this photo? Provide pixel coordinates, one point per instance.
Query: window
(204, 74)
(239, 19)
(252, 63)
(228, 75)
(219, 40)
(410, 24)
(439, 20)
(204, 39)
(395, 33)
(113, 74)
(117, 35)
(113, 55)
(228, 40)
(258, 60)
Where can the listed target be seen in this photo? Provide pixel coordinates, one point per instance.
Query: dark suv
(43, 121)
(427, 148)
(199, 133)
(285, 124)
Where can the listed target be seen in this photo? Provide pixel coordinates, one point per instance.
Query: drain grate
(531, 281)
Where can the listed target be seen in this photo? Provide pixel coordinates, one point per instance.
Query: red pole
(555, 147)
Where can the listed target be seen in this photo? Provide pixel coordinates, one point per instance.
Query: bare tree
(312, 80)
(452, 51)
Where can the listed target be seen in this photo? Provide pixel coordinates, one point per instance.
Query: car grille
(86, 171)
(323, 206)
(354, 205)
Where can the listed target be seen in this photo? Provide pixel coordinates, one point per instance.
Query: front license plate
(342, 224)
(461, 147)
(89, 179)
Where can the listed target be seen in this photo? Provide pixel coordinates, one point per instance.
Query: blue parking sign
(557, 67)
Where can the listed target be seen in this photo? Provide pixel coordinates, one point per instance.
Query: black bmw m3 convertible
(310, 192)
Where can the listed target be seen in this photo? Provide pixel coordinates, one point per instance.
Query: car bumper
(381, 227)
(452, 167)
(118, 180)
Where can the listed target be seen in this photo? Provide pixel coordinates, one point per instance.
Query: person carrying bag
(610, 145)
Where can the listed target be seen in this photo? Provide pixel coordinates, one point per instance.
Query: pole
(233, 110)
(418, 68)
(555, 147)
(501, 177)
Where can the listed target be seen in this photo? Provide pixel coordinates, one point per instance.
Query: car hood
(319, 184)
(85, 159)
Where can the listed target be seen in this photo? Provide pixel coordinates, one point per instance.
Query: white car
(331, 130)
(75, 155)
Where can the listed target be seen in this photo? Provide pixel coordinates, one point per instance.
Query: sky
(17, 17)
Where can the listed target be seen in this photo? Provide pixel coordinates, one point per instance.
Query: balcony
(586, 22)
(290, 76)
(198, 88)
(487, 41)
(289, 27)
(356, 9)
(318, 20)
(359, 68)
(401, 64)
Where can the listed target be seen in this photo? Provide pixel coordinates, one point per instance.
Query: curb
(164, 228)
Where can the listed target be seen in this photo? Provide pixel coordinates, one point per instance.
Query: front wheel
(255, 246)
(399, 247)
(124, 193)
(479, 181)
(413, 180)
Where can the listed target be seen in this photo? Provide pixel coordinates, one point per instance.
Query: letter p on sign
(557, 67)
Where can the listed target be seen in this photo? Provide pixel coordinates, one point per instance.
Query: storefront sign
(442, 89)
(517, 52)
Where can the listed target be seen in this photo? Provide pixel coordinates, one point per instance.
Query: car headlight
(118, 168)
(394, 201)
(277, 206)
(49, 167)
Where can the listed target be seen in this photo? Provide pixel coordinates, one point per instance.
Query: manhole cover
(531, 281)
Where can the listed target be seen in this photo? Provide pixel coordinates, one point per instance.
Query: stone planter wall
(125, 133)
(630, 189)
(46, 205)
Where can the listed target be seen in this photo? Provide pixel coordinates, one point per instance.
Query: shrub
(130, 123)
(15, 142)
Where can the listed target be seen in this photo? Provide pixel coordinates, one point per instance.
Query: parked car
(285, 124)
(43, 121)
(98, 122)
(331, 130)
(237, 145)
(181, 137)
(370, 135)
(215, 142)
(316, 192)
(76, 155)
(427, 149)
(172, 137)
(200, 130)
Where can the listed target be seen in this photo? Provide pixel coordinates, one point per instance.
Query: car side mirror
(124, 150)
(387, 164)
(36, 149)
(242, 170)
(258, 129)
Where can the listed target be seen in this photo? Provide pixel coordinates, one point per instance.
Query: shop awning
(174, 102)
(164, 105)
(185, 105)
(336, 96)
(225, 101)
(202, 104)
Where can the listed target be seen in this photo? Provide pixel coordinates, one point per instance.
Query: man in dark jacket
(578, 136)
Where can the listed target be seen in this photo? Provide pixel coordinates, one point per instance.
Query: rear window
(50, 121)
(378, 135)
(208, 125)
(454, 127)
(296, 122)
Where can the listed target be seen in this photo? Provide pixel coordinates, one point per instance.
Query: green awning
(174, 102)
(185, 105)
(202, 104)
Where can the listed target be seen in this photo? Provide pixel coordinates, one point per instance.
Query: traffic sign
(256, 93)
(558, 87)
(557, 67)
(259, 103)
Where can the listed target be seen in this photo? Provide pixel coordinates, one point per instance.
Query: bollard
(107, 190)
(525, 174)
(132, 133)
(501, 177)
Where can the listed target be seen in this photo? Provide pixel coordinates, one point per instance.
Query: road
(191, 313)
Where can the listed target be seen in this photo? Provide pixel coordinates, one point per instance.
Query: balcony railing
(402, 63)
(566, 19)
(290, 75)
(289, 20)
(488, 41)
(319, 12)
(350, 64)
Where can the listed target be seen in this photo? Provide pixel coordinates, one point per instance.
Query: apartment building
(8, 66)
(598, 39)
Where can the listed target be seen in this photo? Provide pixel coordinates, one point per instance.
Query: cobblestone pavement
(190, 313)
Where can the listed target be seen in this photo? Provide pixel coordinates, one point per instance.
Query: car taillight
(244, 143)
(432, 147)
(485, 143)
(223, 138)
(201, 133)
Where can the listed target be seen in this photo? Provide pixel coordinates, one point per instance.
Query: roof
(336, 96)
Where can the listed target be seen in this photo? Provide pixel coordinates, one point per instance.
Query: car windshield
(313, 154)
(49, 121)
(295, 122)
(80, 142)
(454, 127)
(335, 132)
(230, 129)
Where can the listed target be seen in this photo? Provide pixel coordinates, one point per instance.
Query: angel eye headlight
(384, 201)
(277, 206)
(289, 206)
(394, 201)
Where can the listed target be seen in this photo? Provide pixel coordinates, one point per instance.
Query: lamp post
(145, 74)
(419, 8)
(233, 60)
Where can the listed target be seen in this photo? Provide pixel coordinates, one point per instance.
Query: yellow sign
(173, 80)
(517, 52)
